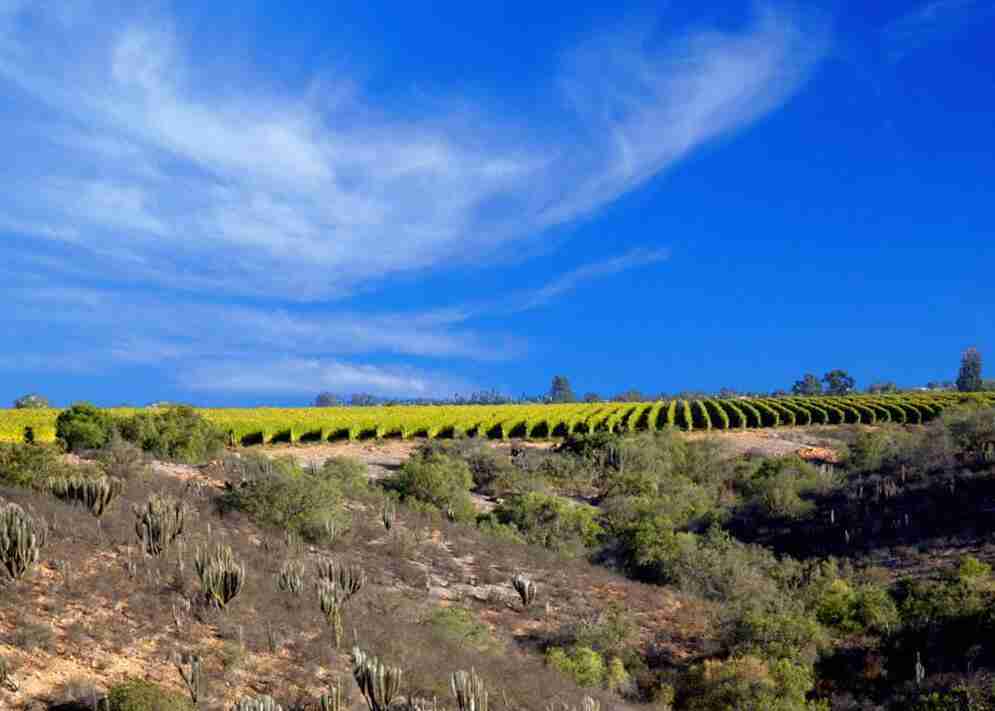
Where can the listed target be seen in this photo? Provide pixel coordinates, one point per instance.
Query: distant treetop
(31, 400)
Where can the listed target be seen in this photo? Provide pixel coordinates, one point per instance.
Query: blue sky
(254, 203)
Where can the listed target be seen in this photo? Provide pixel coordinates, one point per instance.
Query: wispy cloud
(301, 376)
(930, 22)
(160, 178)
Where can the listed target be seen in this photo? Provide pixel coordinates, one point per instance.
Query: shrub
(748, 684)
(349, 474)
(122, 459)
(83, 426)
(439, 480)
(582, 664)
(552, 521)
(460, 626)
(31, 401)
(178, 434)
(279, 493)
(142, 695)
(30, 464)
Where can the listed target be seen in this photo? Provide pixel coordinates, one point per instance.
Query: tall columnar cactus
(192, 673)
(350, 579)
(21, 539)
(291, 577)
(469, 690)
(334, 700)
(378, 683)
(259, 703)
(94, 493)
(159, 523)
(590, 704)
(388, 514)
(221, 575)
(330, 600)
(525, 588)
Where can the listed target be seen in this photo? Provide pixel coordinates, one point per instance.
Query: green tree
(83, 426)
(808, 385)
(882, 387)
(327, 399)
(31, 400)
(838, 382)
(969, 378)
(560, 390)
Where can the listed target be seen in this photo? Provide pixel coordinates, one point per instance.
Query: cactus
(21, 539)
(291, 578)
(7, 680)
(221, 575)
(388, 514)
(590, 704)
(334, 700)
(159, 523)
(331, 599)
(468, 688)
(350, 580)
(193, 676)
(95, 493)
(259, 703)
(378, 682)
(525, 588)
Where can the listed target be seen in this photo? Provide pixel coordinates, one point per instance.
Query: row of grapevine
(538, 421)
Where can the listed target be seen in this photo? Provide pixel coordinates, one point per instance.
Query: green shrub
(179, 434)
(439, 480)
(582, 664)
(552, 521)
(30, 464)
(457, 624)
(83, 426)
(142, 695)
(279, 493)
(749, 684)
(350, 475)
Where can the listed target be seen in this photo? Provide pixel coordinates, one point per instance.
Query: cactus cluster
(93, 493)
(469, 691)
(259, 703)
(525, 588)
(159, 523)
(291, 577)
(379, 683)
(21, 539)
(336, 586)
(334, 700)
(221, 575)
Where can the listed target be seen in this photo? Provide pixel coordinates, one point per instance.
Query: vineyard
(535, 421)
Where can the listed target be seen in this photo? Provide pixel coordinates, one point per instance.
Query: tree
(838, 382)
(560, 390)
(808, 385)
(327, 399)
(883, 387)
(362, 400)
(631, 395)
(592, 397)
(969, 379)
(32, 400)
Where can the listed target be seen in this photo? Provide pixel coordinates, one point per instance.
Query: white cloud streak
(930, 22)
(161, 180)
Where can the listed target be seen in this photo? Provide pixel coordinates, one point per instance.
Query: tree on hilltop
(808, 385)
(839, 382)
(969, 378)
(32, 400)
(560, 390)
